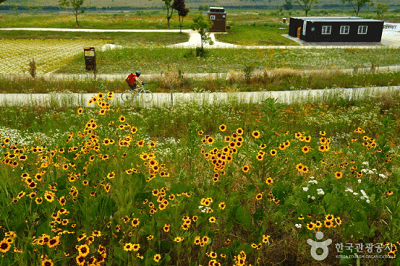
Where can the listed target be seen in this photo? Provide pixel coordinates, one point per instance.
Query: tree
(381, 9)
(179, 5)
(343, 3)
(288, 4)
(35, 6)
(170, 9)
(204, 7)
(202, 25)
(76, 7)
(357, 4)
(306, 5)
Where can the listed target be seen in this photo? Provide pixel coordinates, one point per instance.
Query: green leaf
(121, 253)
(361, 229)
(347, 261)
(258, 215)
(243, 217)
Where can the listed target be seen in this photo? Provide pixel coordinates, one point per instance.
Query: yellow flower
(157, 257)
(245, 168)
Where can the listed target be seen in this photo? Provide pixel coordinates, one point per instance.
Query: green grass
(263, 35)
(278, 80)
(160, 60)
(120, 38)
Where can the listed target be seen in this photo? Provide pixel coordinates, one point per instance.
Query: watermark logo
(322, 245)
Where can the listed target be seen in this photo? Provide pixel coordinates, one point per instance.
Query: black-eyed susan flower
(256, 134)
(338, 175)
(239, 131)
(269, 181)
(310, 226)
(80, 111)
(273, 152)
(301, 217)
(222, 127)
(166, 228)
(318, 224)
(4, 246)
(110, 95)
(222, 205)
(80, 260)
(81, 237)
(212, 219)
(157, 257)
(245, 168)
(306, 149)
(265, 238)
(328, 223)
(329, 217)
(39, 201)
(135, 222)
(128, 246)
(304, 169)
(259, 196)
(53, 242)
(49, 196)
(47, 262)
(389, 193)
(83, 250)
(338, 221)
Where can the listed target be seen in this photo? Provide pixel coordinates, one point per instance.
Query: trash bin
(284, 20)
(90, 58)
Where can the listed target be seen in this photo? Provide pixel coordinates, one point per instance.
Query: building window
(326, 29)
(212, 17)
(344, 29)
(362, 29)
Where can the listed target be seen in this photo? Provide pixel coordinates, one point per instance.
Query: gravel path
(163, 99)
(390, 37)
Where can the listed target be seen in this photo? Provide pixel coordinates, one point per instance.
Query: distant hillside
(193, 4)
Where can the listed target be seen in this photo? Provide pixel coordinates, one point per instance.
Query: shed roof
(217, 9)
(343, 20)
(337, 19)
(328, 17)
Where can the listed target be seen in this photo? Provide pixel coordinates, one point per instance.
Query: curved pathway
(390, 37)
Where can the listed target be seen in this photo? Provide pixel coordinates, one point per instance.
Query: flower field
(112, 186)
(48, 54)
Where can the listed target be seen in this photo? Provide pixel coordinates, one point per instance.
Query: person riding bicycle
(133, 80)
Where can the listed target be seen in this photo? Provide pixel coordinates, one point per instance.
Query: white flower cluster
(320, 191)
(30, 139)
(298, 225)
(370, 171)
(364, 195)
(204, 209)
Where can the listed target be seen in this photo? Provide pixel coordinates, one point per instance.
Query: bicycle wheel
(128, 96)
(147, 96)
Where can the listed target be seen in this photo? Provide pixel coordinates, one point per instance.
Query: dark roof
(328, 17)
(217, 9)
(338, 19)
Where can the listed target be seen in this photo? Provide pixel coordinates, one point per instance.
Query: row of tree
(180, 8)
(306, 5)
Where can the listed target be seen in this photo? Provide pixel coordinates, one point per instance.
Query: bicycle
(145, 94)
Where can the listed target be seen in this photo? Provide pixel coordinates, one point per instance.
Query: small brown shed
(218, 16)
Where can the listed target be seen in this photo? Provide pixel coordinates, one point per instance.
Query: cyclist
(133, 80)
